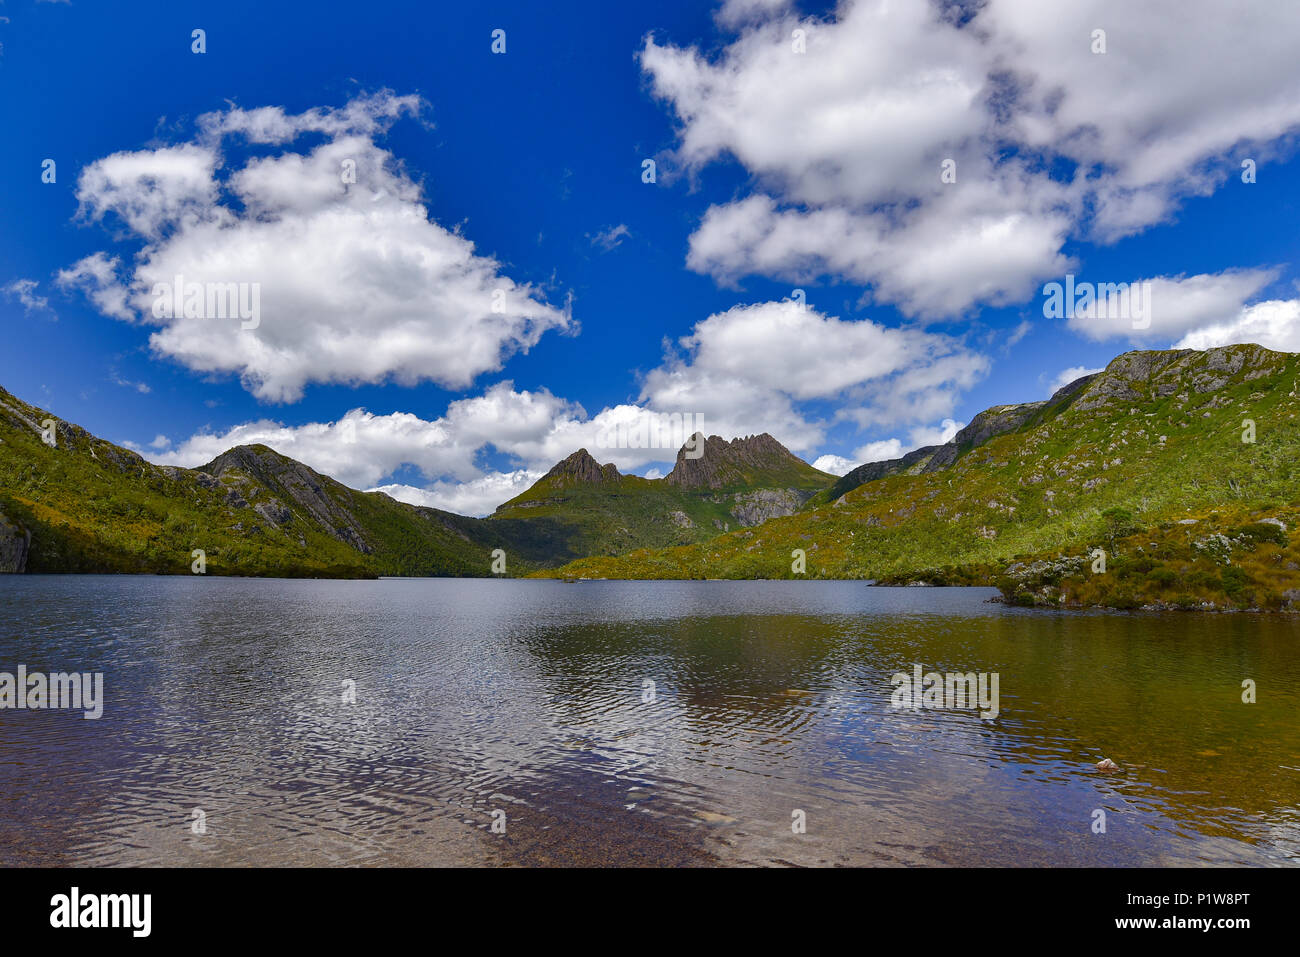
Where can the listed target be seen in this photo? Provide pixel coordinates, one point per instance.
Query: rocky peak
(726, 463)
(581, 467)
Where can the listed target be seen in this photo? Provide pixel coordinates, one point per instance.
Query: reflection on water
(530, 698)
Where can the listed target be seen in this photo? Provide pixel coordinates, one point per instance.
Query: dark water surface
(526, 697)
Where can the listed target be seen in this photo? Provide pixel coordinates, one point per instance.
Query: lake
(510, 722)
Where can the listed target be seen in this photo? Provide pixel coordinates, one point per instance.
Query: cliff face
(749, 461)
(14, 542)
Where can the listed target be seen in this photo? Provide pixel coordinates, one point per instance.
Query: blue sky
(796, 146)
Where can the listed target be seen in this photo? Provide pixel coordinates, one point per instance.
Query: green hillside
(730, 485)
(91, 506)
(1179, 465)
(1116, 462)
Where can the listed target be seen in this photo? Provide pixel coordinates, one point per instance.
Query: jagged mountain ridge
(730, 484)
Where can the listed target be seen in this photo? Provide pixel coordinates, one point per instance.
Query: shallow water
(530, 698)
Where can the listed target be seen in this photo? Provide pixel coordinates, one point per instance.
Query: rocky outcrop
(14, 543)
(726, 464)
(754, 508)
(581, 467)
(308, 490)
(1135, 377)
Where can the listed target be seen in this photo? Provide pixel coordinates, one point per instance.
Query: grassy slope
(94, 507)
(611, 518)
(1042, 491)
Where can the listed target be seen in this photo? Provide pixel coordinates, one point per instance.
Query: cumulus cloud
(936, 435)
(834, 464)
(356, 283)
(97, 277)
(1274, 324)
(881, 451)
(1177, 305)
(1047, 140)
(479, 497)
(751, 369)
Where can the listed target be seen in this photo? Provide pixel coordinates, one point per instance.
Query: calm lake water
(528, 698)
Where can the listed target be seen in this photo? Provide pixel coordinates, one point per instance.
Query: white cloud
(845, 141)
(1274, 324)
(1066, 376)
(835, 464)
(744, 371)
(24, 290)
(936, 435)
(739, 12)
(154, 190)
(1018, 333)
(1178, 305)
(141, 387)
(479, 497)
(886, 450)
(96, 276)
(357, 284)
(361, 449)
(608, 239)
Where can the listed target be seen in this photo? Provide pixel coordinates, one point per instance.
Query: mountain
(988, 424)
(85, 505)
(1167, 481)
(1180, 465)
(80, 504)
(728, 485)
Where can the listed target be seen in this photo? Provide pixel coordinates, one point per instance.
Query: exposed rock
(14, 544)
(754, 508)
(274, 513)
(581, 467)
(997, 420)
(680, 519)
(725, 464)
(307, 489)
